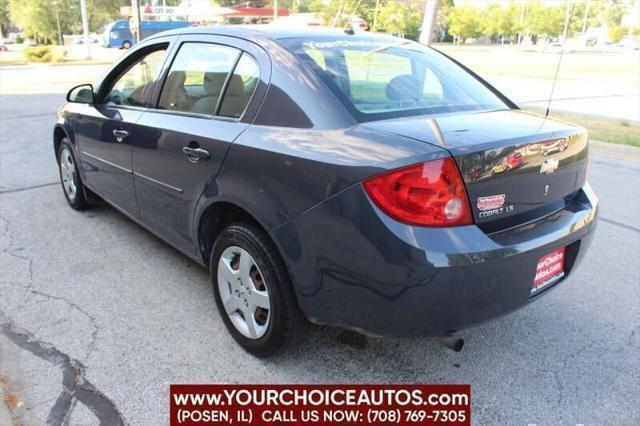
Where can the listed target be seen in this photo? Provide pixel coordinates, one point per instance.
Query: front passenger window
(196, 78)
(132, 87)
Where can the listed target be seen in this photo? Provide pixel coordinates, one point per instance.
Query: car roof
(254, 32)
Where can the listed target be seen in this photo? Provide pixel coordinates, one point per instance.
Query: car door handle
(195, 154)
(120, 134)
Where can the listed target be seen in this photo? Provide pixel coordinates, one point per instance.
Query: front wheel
(253, 292)
(126, 45)
(70, 178)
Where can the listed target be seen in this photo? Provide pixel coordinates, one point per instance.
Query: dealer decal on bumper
(549, 270)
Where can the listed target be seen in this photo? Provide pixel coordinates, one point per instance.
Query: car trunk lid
(516, 166)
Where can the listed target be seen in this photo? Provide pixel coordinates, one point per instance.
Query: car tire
(72, 187)
(245, 257)
(126, 44)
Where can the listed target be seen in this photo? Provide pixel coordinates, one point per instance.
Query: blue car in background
(118, 34)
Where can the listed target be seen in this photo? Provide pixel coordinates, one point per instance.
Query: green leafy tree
(594, 15)
(37, 18)
(498, 21)
(5, 22)
(102, 12)
(336, 11)
(617, 33)
(398, 18)
(464, 22)
(613, 13)
(545, 21)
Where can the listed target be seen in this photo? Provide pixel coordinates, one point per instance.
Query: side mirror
(82, 94)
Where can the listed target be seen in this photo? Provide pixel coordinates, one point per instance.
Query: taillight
(425, 194)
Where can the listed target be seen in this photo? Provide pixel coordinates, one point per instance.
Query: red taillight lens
(426, 194)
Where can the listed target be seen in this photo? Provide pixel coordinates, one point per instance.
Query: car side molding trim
(124, 169)
(157, 183)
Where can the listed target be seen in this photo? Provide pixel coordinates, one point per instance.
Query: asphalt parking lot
(98, 316)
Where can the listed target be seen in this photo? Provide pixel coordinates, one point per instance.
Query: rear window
(383, 78)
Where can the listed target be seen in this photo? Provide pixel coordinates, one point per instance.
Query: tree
(498, 21)
(37, 18)
(336, 11)
(101, 12)
(4, 17)
(399, 18)
(464, 22)
(545, 21)
(614, 12)
(616, 33)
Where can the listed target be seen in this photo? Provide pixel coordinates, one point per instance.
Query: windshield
(383, 78)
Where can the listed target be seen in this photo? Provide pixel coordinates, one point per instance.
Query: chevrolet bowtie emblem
(549, 165)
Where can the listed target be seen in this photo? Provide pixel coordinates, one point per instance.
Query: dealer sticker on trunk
(492, 205)
(491, 202)
(549, 270)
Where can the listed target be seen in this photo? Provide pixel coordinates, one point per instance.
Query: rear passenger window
(241, 87)
(196, 78)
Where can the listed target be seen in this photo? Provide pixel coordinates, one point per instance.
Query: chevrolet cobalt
(360, 181)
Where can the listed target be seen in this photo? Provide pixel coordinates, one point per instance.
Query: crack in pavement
(29, 290)
(76, 388)
(623, 225)
(27, 188)
(19, 117)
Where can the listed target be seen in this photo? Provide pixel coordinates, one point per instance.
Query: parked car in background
(556, 145)
(118, 34)
(331, 177)
(510, 162)
(556, 48)
(357, 23)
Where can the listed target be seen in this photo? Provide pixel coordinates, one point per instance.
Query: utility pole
(429, 21)
(275, 9)
(375, 16)
(567, 19)
(522, 11)
(55, 5)
(586, 17)
(85, 26)
(136, 19)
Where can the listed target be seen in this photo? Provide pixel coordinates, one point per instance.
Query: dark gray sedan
(360, 181)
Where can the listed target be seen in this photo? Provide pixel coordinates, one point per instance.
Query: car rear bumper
(354, 267)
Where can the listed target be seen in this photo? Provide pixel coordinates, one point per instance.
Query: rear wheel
(126, 44)
(70, 179)
(253, 292)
